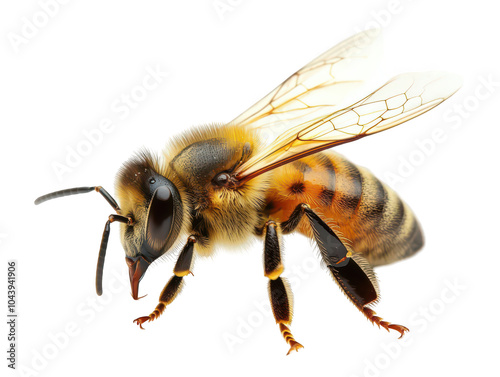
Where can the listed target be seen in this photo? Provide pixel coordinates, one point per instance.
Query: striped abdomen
(353, 201)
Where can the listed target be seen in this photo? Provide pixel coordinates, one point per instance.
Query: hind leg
(351, 271)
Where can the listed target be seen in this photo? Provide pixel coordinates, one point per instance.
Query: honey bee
(220, 184)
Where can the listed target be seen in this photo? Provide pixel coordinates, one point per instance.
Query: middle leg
(280, 293)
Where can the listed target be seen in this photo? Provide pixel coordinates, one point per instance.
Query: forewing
(317, 88)
(400, 99)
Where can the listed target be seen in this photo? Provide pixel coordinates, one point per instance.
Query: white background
(63, 79)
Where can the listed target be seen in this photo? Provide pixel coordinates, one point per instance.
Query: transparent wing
(402, 98)
(317, 88)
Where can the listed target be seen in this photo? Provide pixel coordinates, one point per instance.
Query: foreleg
(174, 285)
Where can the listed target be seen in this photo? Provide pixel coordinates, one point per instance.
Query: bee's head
(151, 212)
(154, 204)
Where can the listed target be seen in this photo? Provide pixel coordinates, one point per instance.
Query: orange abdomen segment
(357, 206)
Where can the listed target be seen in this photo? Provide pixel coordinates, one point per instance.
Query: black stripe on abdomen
(397, 218)
(348, 187)
(326, 195)
(373, 201)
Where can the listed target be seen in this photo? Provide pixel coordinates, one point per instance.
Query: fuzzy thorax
(228, 215)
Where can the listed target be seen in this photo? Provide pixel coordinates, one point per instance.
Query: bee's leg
(280, 293)
(350, 270)
(174, 285)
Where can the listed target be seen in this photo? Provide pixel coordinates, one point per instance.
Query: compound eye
(160, 217)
